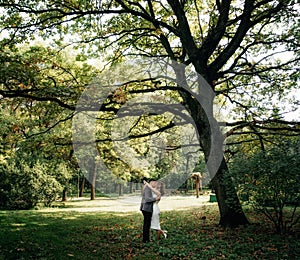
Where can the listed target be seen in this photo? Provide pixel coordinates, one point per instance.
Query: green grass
(67, 234)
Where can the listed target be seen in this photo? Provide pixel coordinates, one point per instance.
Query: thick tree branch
(238, 37)
(215, 34)
(184, 31)
(23, 94)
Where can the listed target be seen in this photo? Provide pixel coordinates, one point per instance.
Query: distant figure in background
(157, 188)
(147, 209)
(197, 177)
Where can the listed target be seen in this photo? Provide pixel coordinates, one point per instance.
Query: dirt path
(132, 203)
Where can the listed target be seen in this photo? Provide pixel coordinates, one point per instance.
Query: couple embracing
(152, 193)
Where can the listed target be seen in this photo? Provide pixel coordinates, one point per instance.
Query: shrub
(269, 181)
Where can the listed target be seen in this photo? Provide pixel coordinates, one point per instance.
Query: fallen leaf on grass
(273, 249)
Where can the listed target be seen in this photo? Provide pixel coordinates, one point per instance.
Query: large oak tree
(233, 45)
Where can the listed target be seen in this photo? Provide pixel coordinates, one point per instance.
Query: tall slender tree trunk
(93, 180)
(131, 187)
(81, 189)
(120, 189)
(93, 190)
(64, 196)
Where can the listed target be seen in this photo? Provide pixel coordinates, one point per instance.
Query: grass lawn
(70, 234)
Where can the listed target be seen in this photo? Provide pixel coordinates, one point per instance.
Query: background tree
(38, 93)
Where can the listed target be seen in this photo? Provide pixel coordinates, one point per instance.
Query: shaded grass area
(192, 234)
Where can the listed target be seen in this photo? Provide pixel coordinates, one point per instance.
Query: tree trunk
(211, 142)
(81, 189)
(120, 189)
(92, 190)
(231, 212)
(131, 187)
(93, 181)
(64, 195)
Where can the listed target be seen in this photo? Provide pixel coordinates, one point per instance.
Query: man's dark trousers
(146, 225)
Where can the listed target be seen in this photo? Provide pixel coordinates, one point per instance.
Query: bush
(269, 181)
(23, 187)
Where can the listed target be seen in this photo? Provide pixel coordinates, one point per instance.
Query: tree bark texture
(211, 142)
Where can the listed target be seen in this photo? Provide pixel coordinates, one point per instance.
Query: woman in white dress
(157, 190)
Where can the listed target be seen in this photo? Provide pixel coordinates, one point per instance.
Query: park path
(131, 203)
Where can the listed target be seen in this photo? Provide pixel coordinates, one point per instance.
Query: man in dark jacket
(147, 209)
